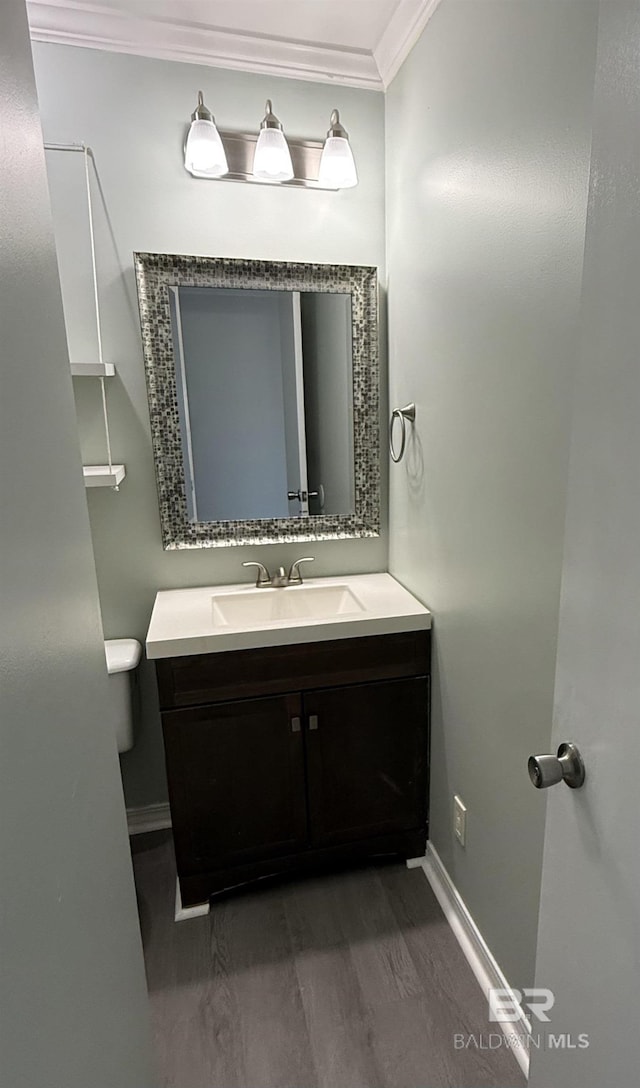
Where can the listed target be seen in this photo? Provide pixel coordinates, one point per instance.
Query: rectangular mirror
(275, 365)
(262, 380)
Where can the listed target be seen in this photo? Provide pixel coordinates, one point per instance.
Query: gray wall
(134, 111)
(74, 1003)
(488, 141)
(591, 885)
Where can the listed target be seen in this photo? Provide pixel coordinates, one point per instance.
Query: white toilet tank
(123, 656)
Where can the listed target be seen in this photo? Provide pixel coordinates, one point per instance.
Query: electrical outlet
(459, 820)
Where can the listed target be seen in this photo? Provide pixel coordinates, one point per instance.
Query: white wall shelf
(108, 475)
(103, 475)
(93, 370)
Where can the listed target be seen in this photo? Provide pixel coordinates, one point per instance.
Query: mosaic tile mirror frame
(156, 275)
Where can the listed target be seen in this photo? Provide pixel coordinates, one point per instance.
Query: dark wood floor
(351, 980)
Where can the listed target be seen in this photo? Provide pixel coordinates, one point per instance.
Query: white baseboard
(477, 953)
(182, 914)
(148, 818)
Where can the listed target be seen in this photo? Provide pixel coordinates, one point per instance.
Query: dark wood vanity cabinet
(236, 773)
(366, 760)
(295, 757)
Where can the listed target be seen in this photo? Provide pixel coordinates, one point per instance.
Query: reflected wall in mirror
(262, 380)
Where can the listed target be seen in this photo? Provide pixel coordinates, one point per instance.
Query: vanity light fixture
(337, 165)
(204, 154)
(272, 160)
(267, 157)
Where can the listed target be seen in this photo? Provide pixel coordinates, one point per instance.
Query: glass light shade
(272, 159)
(337, 165)
(204, 155)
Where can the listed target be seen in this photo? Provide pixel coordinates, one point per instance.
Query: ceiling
(355, 42)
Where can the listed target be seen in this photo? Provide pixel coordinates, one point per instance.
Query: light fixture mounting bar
(305, 156)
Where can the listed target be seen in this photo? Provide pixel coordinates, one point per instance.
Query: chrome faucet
(280, 579)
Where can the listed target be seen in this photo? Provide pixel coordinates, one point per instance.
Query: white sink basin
(212, 619)
(253, 608)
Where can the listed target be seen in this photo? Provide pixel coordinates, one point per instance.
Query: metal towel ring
(403, 414)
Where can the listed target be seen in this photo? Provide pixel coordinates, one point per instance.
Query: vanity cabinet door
(367, 760)
(236, 780)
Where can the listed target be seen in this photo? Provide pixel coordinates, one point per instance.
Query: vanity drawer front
(271, 670)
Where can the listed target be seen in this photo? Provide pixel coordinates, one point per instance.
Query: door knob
(567, 766)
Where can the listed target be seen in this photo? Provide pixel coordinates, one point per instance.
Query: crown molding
(95, 26)
(403, 30)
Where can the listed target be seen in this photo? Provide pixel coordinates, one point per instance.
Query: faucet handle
(264, 578)
(294, 574)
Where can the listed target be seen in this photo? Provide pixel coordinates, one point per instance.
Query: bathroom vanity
(295, 724)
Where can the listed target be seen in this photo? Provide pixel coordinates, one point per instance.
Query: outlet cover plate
(459, 820)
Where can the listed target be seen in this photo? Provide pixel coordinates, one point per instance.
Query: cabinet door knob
(548, 770)
(295, 725)
(313, 721)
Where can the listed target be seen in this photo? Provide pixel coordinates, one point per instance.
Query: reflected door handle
(301, 496)
(566, 766)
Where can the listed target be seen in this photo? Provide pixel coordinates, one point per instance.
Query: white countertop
(182, 621)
